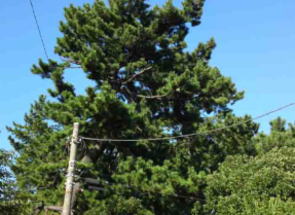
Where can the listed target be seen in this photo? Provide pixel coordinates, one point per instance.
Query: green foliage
(263, 184)
(11, 202)
(145, 85)
(5, 175)
(281, 136)
(253, 185)
(6, 183)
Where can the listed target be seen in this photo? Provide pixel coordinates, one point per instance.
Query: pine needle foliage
(146, 84)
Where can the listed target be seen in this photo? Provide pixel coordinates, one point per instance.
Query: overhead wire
(39, 29)
(43, 41)
(191, 134)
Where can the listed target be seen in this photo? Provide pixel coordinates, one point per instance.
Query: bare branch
(70, 60)
(159, 97)
(136, 75)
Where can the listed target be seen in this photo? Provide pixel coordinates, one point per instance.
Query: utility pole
(67, 207)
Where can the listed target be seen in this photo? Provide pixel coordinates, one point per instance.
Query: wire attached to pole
(192, 134)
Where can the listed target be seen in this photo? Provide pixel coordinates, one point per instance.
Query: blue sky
(255, 47)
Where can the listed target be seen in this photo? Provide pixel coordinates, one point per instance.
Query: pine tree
(146, 85)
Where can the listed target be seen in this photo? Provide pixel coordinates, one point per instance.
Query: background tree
(280, 136)
(5, 180)
(145, 85)
(263, 184)
(11, 202)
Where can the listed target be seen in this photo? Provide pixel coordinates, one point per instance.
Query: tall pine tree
(146, 85)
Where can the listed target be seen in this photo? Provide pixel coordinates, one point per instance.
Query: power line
(39, 29)
(192, 134)
(43, 43)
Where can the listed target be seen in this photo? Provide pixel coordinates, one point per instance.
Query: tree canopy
(146, 84)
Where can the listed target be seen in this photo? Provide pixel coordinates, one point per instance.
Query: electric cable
(191, 134)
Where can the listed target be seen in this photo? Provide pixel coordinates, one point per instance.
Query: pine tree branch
(129, 93)
(153, 96)
(136, 75)
(70, 60)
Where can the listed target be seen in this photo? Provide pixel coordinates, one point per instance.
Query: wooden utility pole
(67, 207)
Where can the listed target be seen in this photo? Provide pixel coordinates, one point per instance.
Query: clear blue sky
(255, 47)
